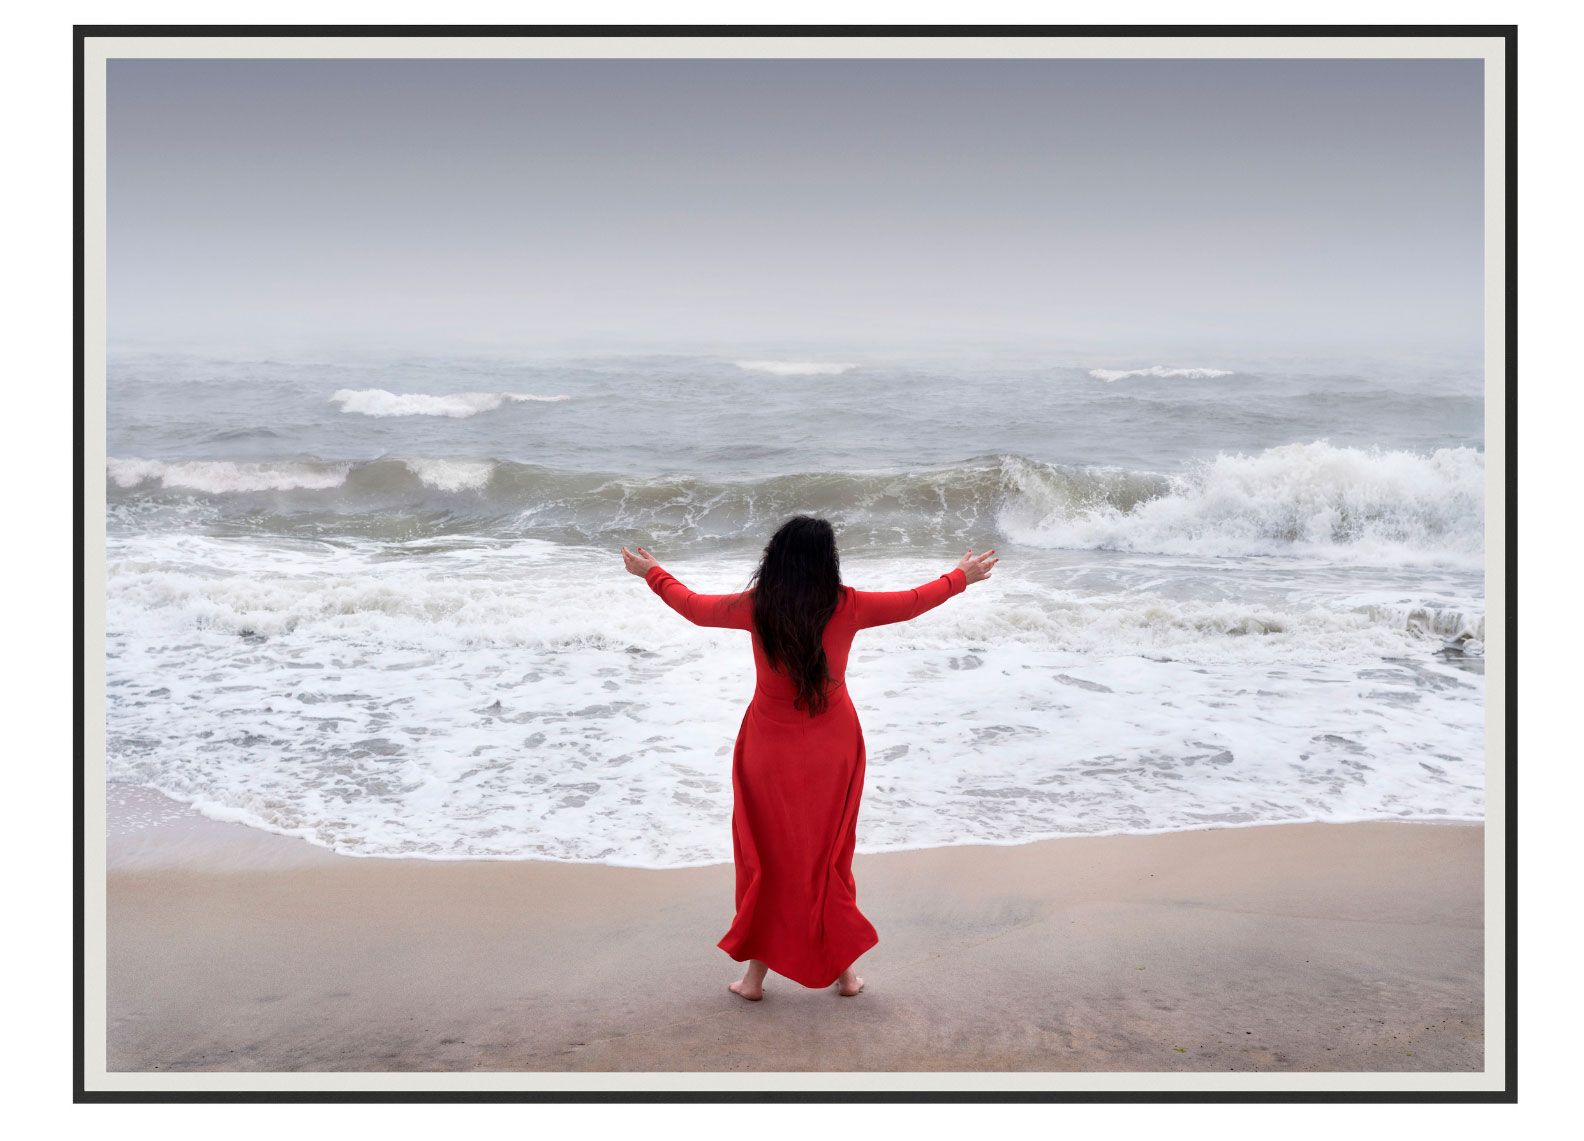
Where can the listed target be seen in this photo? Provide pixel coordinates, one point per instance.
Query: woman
(798, 767)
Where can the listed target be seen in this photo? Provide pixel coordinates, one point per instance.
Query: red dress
(796, 784)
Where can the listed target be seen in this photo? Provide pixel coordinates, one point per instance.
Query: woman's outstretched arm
(880, 607)
(727, 611)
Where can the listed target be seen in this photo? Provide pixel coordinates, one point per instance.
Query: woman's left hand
(640, 563)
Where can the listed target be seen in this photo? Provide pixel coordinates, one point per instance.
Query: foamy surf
(219, 585)
(532, 702)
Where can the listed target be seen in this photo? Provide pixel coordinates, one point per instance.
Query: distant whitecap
(1159, 372)
(218, 477)
(795, 368)
(457, 405)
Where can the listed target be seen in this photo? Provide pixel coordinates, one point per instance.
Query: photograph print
(727, 566)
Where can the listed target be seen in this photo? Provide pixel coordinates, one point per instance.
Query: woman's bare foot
(849, 984)
(751, 985)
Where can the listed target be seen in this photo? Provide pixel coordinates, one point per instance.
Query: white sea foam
(452, 475)
(532, 701)
(456, 405)
(795, 368)
(1347, 504)
(217, 477)
(1158, 372)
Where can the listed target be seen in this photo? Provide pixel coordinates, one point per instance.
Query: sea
(376, 600)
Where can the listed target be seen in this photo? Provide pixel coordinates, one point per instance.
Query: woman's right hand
(638, 564)
(977, 567)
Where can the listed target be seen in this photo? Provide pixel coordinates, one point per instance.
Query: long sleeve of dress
(729, 611)
(879, 607)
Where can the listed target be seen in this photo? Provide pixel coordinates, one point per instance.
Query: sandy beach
(1281, 948)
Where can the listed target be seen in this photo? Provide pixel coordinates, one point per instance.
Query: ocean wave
(457, 405)
(222, 477)
(1158, 372)
(1305, 499)
(795, 368)
(230, 435)
(1314, 500)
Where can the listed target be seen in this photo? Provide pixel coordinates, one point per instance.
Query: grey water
(373, 599)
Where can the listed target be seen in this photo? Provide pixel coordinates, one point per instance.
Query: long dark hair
(796, 589)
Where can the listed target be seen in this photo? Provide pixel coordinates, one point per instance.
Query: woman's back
(855, 610)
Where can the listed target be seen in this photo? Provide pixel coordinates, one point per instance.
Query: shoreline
(150, 829)
(1287, 948)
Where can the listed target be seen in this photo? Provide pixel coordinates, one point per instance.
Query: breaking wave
(1313, 500)
(221, 477)
(1308, 499)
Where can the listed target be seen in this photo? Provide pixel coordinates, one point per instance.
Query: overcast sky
(658, 203)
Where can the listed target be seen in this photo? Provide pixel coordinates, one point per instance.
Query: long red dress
(796, 784)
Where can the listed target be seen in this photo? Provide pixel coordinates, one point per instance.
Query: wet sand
(1353, 947)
